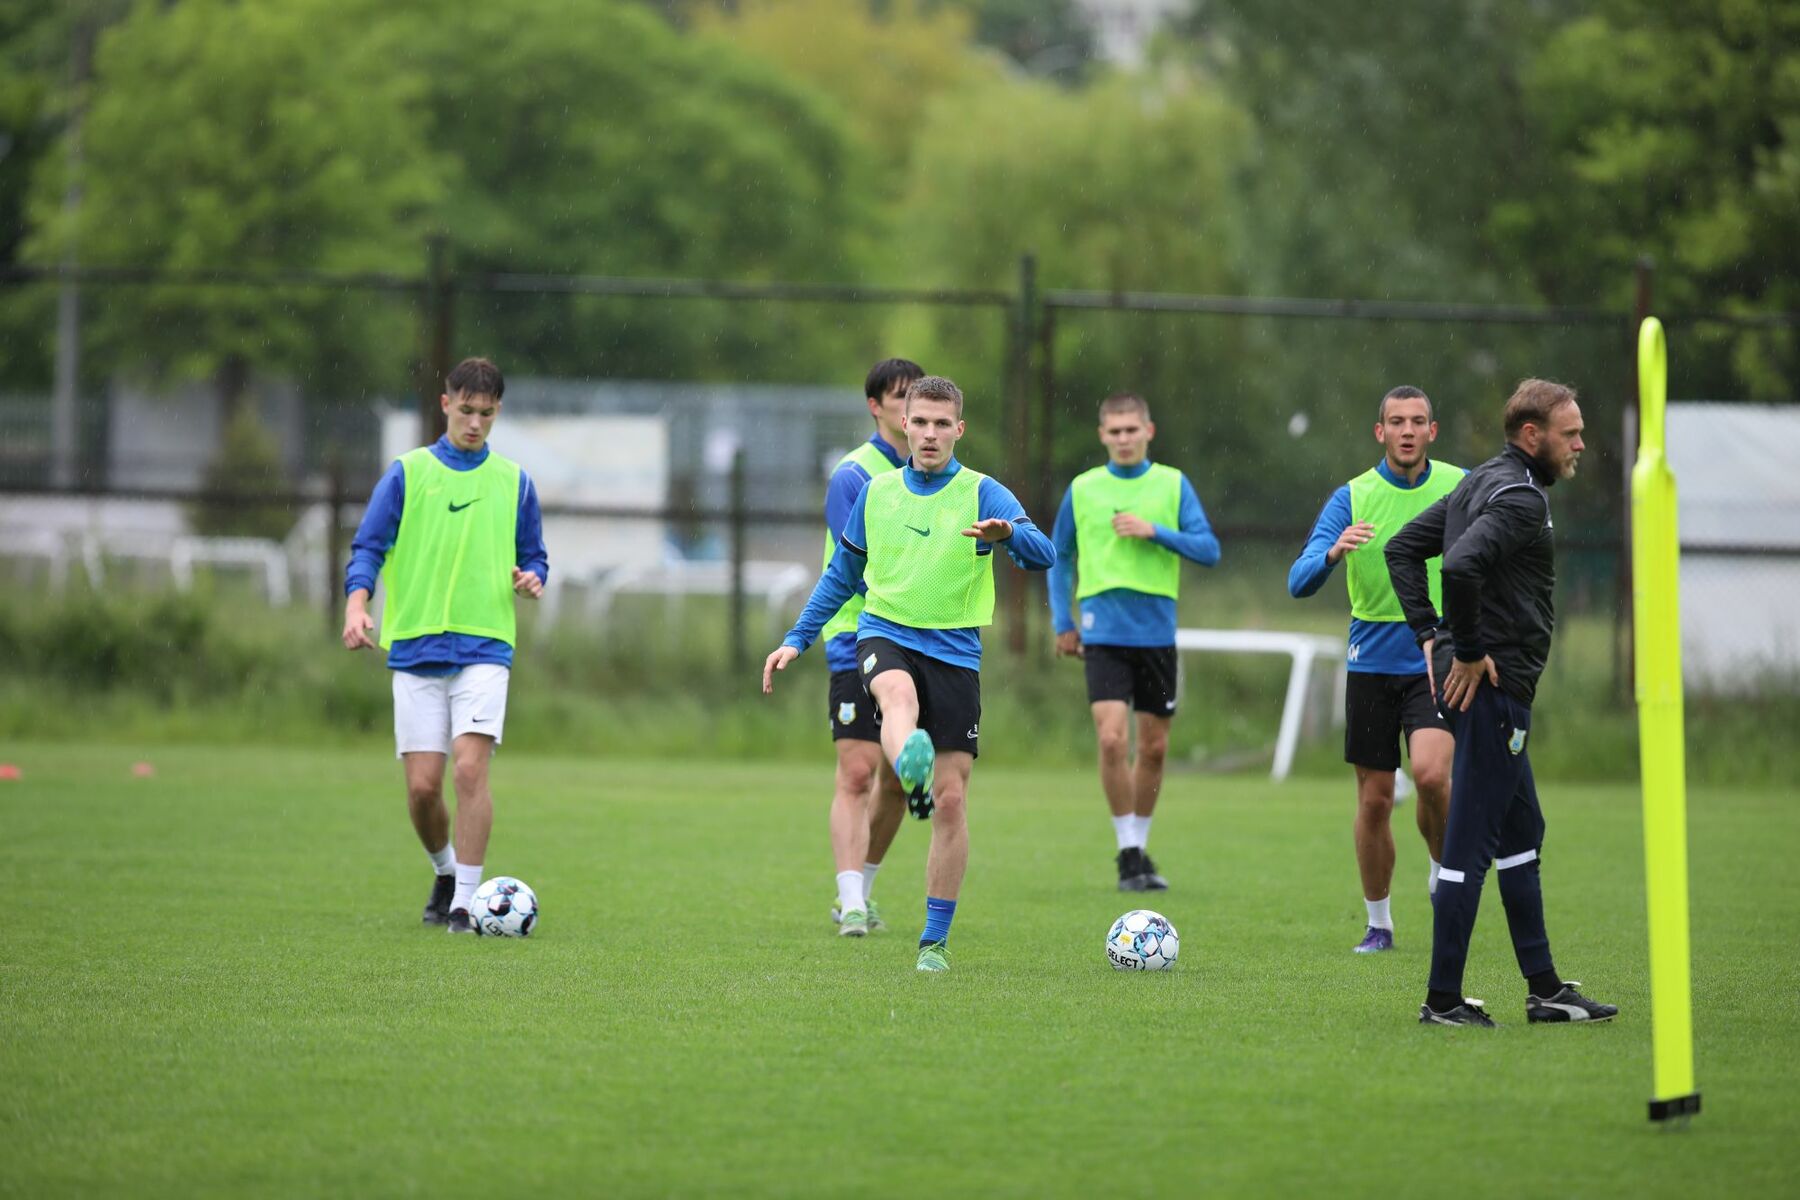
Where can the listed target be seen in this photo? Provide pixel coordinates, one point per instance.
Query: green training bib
(922, 571)
(1108, 561)
(875, 463)
(1389, 508)
(450, 570)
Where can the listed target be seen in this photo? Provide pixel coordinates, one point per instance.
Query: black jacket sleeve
(1511, 519)
(1420, 540)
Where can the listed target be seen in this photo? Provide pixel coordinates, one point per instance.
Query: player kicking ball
(456, 532)
(918, 544)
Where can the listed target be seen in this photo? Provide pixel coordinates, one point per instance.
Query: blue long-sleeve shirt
(847, 483)
(440, 653)
(1122, 617)
(1376, 647)
(1028, 547)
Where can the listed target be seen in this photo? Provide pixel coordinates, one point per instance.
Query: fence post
(740, 656)
(1018, 450)
(334, 538)
(438, 316)
(1624, 674)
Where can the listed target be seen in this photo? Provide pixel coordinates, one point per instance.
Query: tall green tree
(255, 136)
(592, 137)
(1673, 130)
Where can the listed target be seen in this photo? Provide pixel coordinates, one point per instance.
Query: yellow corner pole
(1662, 758)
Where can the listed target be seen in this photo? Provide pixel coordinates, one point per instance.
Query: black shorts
(852, 712)
(1144, 676)
(949, 697)
(1379, 710)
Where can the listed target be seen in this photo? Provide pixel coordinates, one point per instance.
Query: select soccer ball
(1142, 940)
(503, 907)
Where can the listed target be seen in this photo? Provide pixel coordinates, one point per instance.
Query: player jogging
(920, 542)
(1130, 522)
(867, 806)
(1387, 697)
(1495, 535)
(455, 530)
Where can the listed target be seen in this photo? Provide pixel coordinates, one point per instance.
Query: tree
(228, 135)
(1673, 131)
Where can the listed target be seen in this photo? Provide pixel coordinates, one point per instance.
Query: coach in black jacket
(1488, 649)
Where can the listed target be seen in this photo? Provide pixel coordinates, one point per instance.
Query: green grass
(213, 982)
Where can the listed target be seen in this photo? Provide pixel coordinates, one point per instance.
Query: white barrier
(1303, 649)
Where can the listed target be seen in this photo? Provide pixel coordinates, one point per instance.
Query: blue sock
(937, 920)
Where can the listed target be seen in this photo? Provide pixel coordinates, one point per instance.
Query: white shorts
(431, 711)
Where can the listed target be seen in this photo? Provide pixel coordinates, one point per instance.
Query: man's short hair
(888, 373)
(1532, 402)
(934, 387)
(1122, 402)
(475, 377)
(1404, 392)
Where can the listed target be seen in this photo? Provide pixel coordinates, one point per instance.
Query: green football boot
(855, 923)
(876, 924)
(934, 956)
(914, 765)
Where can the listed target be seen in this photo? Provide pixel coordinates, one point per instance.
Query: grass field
(213, 982)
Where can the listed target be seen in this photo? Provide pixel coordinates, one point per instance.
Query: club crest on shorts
(846, 713)
(869, 663)
(1516, 743)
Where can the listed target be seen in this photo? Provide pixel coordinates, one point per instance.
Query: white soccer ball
(1142, 940)
(504, 907)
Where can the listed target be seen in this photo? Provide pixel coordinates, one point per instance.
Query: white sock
(868, 874)
(1431, 880)
(1125, 829)
(1378, 914)
(443, 861)
(850, 891)
(468, 878)
(1143, 830)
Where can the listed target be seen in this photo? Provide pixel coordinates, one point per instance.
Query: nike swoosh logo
(920, 532)
(454, 507)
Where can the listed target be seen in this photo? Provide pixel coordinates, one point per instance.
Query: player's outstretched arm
(778, 660)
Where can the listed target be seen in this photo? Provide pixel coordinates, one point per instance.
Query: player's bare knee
(1114, 746)
(1433, 783)
(471, 773)
(855, 777)
(424, 793)
(1153, 747)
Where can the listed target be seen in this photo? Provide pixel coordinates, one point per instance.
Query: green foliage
(248, 463)
(1673, 131)
(224, 135)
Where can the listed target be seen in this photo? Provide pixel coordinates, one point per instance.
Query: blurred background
(241, 244)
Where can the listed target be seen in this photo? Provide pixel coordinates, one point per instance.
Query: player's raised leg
(949, 856)
(1146, 781)
(431, 821)
(907, 746)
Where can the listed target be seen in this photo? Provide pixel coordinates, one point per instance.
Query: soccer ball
(504, 907)
(1142, 940)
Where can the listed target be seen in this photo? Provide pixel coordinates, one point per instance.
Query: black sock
(1544, 984)
(1441, 1002)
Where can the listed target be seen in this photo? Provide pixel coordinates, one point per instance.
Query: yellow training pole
(1662, 759)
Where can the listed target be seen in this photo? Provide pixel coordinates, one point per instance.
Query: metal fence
(99, 476)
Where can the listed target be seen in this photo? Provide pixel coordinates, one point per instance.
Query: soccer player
(1487, 651)
(456, 531)
(867, 806)
(1388, 696)
(1130, 522)
(920, 542)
